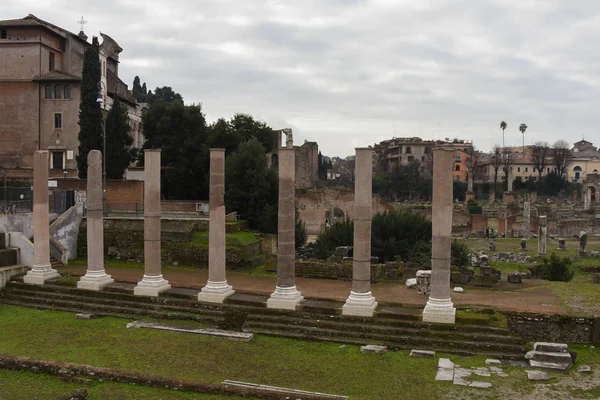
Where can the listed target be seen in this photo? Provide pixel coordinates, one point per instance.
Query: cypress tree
(118, 141)
(90, 114)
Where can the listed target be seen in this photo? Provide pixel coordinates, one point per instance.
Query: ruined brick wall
(307, 165)
(313, 207)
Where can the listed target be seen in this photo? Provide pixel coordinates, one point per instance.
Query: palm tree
(523, 128)
(503, 127)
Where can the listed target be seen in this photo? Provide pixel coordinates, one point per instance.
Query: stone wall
(20, 223)
(66, 228)
(554, 328)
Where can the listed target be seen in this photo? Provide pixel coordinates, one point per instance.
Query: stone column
(526, 219)
(216, 289)
(95, 277)
(542, 234)
(361, 302)
(41, 270)
(588, 198)
(510, 178)
(286, 296)
(439, 307)
(153, 282)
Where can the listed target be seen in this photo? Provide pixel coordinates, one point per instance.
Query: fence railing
(19, 200)
(172, 209)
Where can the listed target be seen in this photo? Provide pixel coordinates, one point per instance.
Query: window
(58, 92)
(3, 34)
(62, 45)
(51, 62)
(408, 150)
(533, 169)
(457, 168)
(457, 158)
(57, 160)
(427, 150)
(548, 170)
(48, 92)
(411, 158)
(58, 121)
(422, 158)
(518, 169)
(526, 169)
(67, 95)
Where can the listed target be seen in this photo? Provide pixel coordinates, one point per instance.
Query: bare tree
(496, 159)
(472, 162)
(508, 159)
(540, 154)
(562, 156)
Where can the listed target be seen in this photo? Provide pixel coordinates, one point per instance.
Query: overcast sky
(350, 73)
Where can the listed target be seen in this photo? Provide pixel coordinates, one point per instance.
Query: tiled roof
(56, 76)
(32, 20)
(19, 22)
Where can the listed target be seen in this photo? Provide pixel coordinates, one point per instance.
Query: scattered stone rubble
(552, 356)
(511, 257)
(448, 371)
(373, 349)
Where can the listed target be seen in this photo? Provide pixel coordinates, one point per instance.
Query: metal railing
(136, 210)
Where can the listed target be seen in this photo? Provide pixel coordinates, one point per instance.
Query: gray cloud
(351, 73)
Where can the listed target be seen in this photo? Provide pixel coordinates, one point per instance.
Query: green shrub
(459, 253)
(557, 268)
(473, 207)
(400, 233)
(339, 233)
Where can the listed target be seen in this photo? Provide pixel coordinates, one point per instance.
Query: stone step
(287, 323)
(8, 257)
(493, 353)
(399, 337)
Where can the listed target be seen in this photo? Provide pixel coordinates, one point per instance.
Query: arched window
(58, 92)
(577, 168)
(457, 168)
(67, 92)
(408, 150)
(48, 92)
(577, 171)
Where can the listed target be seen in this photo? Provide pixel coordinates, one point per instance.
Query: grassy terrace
(324, 367)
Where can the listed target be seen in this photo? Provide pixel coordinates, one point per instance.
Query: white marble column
(153, 282)
(95, 277)
(216, 289)
(542, 234)
(41, 270)
(439, 307)
(286, 296)
(361, 301)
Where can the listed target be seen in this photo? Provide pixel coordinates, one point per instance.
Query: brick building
(40, 79)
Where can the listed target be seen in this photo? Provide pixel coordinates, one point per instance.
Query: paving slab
(240, 336)
(445, 363)
(422, 353)
(481, 385)
(444, 374)
(537, 376)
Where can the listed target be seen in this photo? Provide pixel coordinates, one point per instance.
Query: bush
(459, 253)
(557, 268)
(399, 233)
(473, 207)
(340, 233)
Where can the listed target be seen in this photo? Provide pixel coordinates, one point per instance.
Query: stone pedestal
(95, 277)
(153, 282)
(41, 270)
(286, 296)
(216, 289)
(542, 234)
(439, 307)
(361, 302)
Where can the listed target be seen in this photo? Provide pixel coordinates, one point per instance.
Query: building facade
(40, 90)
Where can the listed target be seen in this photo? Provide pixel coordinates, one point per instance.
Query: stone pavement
(534, 297)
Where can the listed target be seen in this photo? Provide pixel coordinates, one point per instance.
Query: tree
(180, 132)
(522, 129)
(138, 91)
(241, 128)
(508, 159)
(472, 162)
(165, 93)
(322, 168)
(562, 156)
(118, 141)
(503, 127)
(496, 159)
(251, 187)
(539, 155)
(90, 114)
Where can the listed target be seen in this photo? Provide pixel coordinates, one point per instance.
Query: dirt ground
(533, 296)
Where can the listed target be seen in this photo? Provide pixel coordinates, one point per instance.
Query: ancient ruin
(153, 282)
(95, 277)
(361, 302)
(439, 307)
(542, 234)
(216, 289)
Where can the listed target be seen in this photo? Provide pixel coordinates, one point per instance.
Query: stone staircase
(55, 263)
(317, 320)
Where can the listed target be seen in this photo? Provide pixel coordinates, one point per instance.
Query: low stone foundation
(555, 328)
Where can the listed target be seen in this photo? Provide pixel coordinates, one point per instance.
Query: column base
(215, 292)
(94, 280)
(39, 274)
(360, 304)
(285, 298)
(440, 311)
(151, 286)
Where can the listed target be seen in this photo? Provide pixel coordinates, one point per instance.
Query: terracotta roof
(56, 76)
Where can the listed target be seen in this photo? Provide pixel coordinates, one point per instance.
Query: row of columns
(360, 302)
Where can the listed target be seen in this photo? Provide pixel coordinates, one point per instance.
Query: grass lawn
(323, 367)
(30, 386)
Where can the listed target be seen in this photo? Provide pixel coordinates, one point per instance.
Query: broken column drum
(95, 277)
(439, 307)
(286, 296)
(216, 289)
(41, 270)
(361, 302)
(153, 282)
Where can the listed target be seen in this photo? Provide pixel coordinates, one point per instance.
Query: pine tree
(90, 114)
(118, 141)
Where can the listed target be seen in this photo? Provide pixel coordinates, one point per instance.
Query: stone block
(84, 316)
(373, 349)
(486, 281)
(444, 374)
(374, 260)
(486, 270)
(586, 369)
(481, 385)
(411, 282)
(422, 353)
(458, 290)
(491, 361)
(514, 277)
(537, 376)
(550, 347)
(445, 363)
(459, 277)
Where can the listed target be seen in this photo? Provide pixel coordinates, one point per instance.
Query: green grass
(28, 386)
(231, 239)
